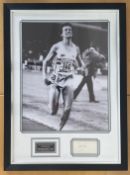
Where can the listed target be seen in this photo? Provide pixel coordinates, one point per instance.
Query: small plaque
(85, 147)
(45, 147)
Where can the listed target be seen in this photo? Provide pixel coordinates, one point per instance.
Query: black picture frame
(7, 87)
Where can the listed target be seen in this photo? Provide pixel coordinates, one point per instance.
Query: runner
(64, 57)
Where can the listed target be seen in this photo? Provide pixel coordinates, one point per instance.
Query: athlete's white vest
(65, 58)
(64, 64)
(66, 52)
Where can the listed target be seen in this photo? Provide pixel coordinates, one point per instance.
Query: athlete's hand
(47, 82)
(46, 79)
(49, 79)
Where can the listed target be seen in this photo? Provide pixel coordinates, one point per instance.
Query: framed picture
(65, 87)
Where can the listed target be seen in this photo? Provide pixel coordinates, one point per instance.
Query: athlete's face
(67, 32)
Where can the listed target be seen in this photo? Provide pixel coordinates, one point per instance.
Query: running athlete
(64, 57)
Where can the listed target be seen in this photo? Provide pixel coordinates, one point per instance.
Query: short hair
(66, 24)
(63, 25)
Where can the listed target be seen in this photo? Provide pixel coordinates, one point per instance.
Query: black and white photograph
(65, 76)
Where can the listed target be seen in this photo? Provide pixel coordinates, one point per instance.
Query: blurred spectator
(92, 58)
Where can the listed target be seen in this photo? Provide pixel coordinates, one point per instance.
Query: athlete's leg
(67, 93)
(53, 99)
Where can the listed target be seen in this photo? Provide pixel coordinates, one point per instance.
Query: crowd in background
(34, 61)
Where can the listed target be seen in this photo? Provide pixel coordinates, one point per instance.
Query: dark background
(38, 37)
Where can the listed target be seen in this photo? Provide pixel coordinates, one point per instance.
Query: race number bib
(63, 65)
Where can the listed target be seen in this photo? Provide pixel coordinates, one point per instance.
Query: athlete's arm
(49, 58)
(79, 59)
(81, 66)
